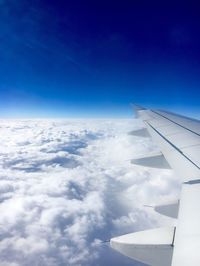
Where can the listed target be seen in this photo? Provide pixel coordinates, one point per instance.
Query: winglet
(137, 108)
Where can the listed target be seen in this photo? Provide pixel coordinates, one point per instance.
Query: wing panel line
(176, 123)
(176, 148)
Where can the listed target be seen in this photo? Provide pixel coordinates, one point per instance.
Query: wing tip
(137, 108)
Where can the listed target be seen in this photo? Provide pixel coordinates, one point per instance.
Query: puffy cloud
(65, 185)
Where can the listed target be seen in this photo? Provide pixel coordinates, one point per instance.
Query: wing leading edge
(179, 140)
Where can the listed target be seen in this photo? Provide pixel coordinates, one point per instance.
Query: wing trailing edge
(168, 209)
(142, 132)
(178, 138)
(153, 247)
(155, 161)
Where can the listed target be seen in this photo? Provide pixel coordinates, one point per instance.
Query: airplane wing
(179, 140)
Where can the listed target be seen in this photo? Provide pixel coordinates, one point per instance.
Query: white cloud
(67, 185)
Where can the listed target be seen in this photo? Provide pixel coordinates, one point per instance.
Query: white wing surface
(179, 140)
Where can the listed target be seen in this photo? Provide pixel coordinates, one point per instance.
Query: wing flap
(154, 161)
(142, 132)
(168, 209)
(153, 247)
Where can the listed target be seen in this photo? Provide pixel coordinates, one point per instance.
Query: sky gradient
(93, 58)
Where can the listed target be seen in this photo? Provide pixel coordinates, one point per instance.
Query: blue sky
(93, 58)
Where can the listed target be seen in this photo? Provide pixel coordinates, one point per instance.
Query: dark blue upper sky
(92, 58)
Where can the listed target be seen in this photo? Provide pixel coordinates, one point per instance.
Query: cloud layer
(66, 185)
